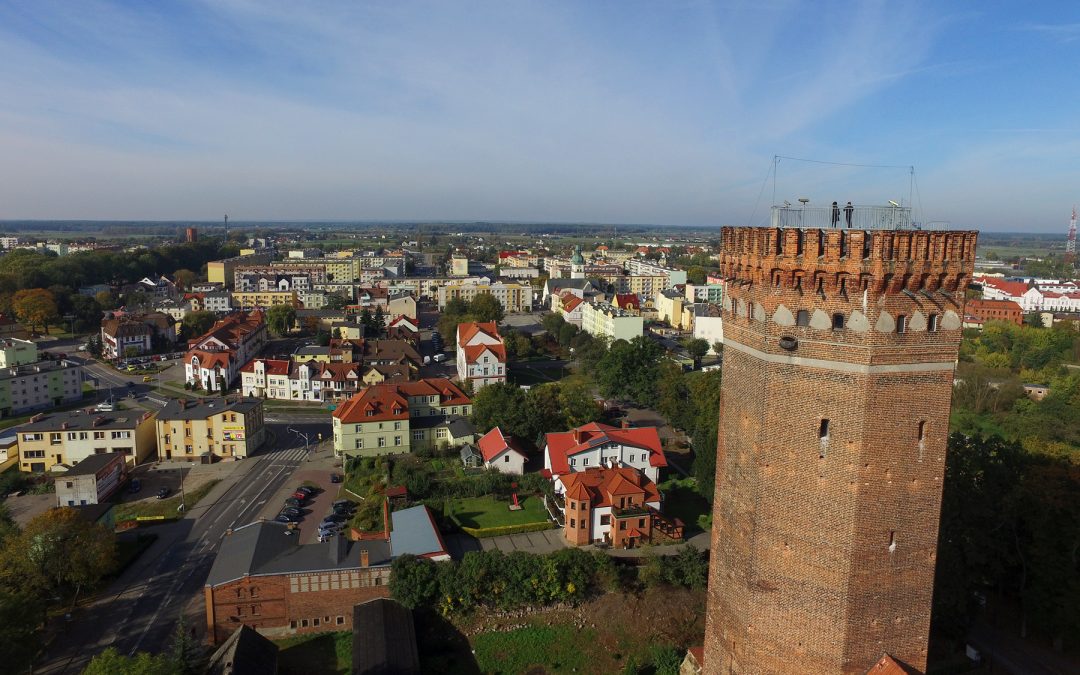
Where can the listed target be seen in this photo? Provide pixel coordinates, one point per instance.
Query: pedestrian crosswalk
(289, 455)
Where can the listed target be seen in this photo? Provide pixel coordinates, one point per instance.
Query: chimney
(364, 559)
(579, 436)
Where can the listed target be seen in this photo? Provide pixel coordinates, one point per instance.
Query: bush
(481, 532)
(665, 660)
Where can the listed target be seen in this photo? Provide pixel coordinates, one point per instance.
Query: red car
(300, 495)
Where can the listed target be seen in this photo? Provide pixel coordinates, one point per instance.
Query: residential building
(10, 328)
(279, 587)
(669, 304)
(60, 440)
(209, 429)
(404, 328)
(221, 271)
(121, 332)
(513, 297)
(312, 299)
(263, 299)
(709, 325)
(643, 285)
(994, 310)
(712, 293)
(644, 267)
(16, 352)
(554, 289)
(597, 444)
(603, 320)
(569, 307)
(501, 452)
(39, 385)
(628, 302)
(214, 359)
(832, 440)
(481, 354)
(612, 505)
(401, 303)
(459, 266)
(398, 417)
(91, 481)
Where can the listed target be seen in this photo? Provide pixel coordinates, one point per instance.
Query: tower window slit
(802, 318)
(901, 324)
(823, 437)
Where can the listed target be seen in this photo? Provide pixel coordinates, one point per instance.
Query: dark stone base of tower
(839, 349)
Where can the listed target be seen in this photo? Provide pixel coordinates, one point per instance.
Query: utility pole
(306, 437)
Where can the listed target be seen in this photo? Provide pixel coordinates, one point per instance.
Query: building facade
(604, 320)
(210, 429)
(596, 444)
(615, 506)
(91, 481)
(213, 360)
(995, 310)
(513, 297)
(64, 439)
(839, 352)
(39, 385)
(481, 354)
(399, 417)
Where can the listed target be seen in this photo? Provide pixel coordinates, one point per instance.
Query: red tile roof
(570, 301)
(624, 300)
(1013, 288)
(272, 366)
(473, 352)
(383, 399)
(601, 485)
(494, 443)
(561, 445)
(467, 331)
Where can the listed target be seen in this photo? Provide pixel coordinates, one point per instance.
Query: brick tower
(839, 349)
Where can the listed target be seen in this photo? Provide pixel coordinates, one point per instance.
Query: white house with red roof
(266, 378)
(570, 308)
(1045, 297)
(597, 445)
(481, 354)
(217, 356)
(615, 505)
(501, 452)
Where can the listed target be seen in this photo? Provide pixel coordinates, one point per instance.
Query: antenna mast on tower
(1070, 243)
(226, 227)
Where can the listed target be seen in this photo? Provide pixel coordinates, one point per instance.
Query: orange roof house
(597, 444)
(502, 452)
(481, 354)
(616, 505)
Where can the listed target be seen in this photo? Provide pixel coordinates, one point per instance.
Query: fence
(854, 217)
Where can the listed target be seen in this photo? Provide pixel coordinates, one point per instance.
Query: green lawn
(484, 512)
(319, 653)
(152, 508)
(682, 501)
(521, 650)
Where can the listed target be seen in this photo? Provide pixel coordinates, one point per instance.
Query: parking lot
(315, 508)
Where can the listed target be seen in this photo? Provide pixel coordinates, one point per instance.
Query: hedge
(481, 532)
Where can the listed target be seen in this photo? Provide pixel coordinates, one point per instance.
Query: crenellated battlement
(838, 261)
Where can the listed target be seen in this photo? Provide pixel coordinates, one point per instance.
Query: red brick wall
(272, 606)
(801, 574)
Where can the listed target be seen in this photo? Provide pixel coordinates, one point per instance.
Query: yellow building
(58, 441)
(256, 299)
(210, 428)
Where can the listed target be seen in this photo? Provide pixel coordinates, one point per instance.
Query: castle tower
(577, 264)
(839, 350)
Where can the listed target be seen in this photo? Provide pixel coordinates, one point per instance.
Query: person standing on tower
(848, 210)
(835, 215)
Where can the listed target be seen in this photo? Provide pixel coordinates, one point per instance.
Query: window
(901, 324)
(622, 524)
(397, 426)
(303, 623)
(641, 523)
(573, 506)
(605, 519)
(99, 435)
(315, 621)
(802, 318)
(397, 440)
(573, 523)
(418, 435)
(922, 438)
(932, 325)
(892, 541)
(585, 462)
(506, 458)
(382, 442)
(340, 620)
(823, 436)
(838, 321)
(359, 443)
(573, 461)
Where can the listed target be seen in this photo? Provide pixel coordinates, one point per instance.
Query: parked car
(163, 492)
(284, 518)
(134, 486)
(300, 495)
(306, 490)
(439, 358)
(335, 478)
(334, 518)
(148, 378)
(104, 407)
(344, 502)
(293, 501)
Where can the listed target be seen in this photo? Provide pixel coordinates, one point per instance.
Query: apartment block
(210, 429)
(60, 440)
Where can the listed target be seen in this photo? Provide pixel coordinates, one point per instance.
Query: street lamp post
(306, 437)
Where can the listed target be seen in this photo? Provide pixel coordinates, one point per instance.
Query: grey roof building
(198, 409)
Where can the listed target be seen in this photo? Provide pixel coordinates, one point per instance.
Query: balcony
(862, 218)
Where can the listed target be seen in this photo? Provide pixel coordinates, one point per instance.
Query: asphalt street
(139, 611)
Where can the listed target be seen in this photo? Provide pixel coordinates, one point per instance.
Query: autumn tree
(58, 554)
(34, 307)
(197, 323)
(486, 307)
(184, 278)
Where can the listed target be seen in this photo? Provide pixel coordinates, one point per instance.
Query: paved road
(138, 612)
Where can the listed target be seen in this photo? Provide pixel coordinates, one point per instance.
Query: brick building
(839, 351)
(270, 582)
(994, 310)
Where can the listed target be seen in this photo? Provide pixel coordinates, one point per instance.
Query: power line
(864, 166)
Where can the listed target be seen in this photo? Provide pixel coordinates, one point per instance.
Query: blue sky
(615, 112)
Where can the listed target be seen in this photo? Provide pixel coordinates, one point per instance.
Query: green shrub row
(481, 532)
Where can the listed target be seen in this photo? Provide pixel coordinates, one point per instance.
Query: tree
(280, 319)
(184, 278)
(112, 662)
(501, 405)
(19, 636)
(414, 581)
(34, 307)
(718, 347)
(335, 301)
(130, 352)
(186, 654)
(697, 348)
(629, 370)
(196, 324)
(578, 404)
(59, 553)
(485, 307)
(695, 275)
(106, 300)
